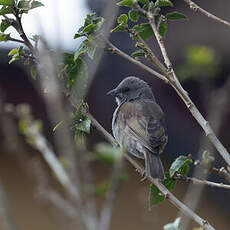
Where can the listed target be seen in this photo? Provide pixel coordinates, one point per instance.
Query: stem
(202, 182)
(18, 26)
(197, 8)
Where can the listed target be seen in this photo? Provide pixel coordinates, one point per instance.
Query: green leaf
(78, 35)
(13, 52)
(77, 78)
(4, 37)
(133, 15)
(81, 50)
(160, 3)
(175, 16)
(163, 28)
(155, 196)
(7, 2)
(180, 165)
(118, 28)
(138, 53)
(36, 4)
(84, 125)
(6, 10)
(127, 3)
(4, 25)
(144, 30)
(23, 5)
(33, 72)
(14, 58)
(122, 19)
(176, 225)
(89, 28)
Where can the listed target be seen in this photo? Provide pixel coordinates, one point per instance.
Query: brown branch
(19, 28)
(174, 82)
(197, 8)
(177, 203)
(201, 182)
(115, 50)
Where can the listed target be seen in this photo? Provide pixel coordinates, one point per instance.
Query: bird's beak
(112, 92)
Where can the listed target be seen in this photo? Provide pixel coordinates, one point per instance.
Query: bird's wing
(144, 121)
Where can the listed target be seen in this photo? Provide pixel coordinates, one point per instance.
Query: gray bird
(139, 125)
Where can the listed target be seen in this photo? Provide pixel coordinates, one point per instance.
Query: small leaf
(122, 19)
(118, 28)
(179, 164)
(144, 30)
(138, 53)
(84, 125)
(6, 10)
(4, 25)
(175, 16)
(155, 196)
(89, 28)
(23, 5)
(13, 52)
(4, 37)
(133, 15)
(7, 2)
(36, 4)
(160, 3)
(81, 50)
(163, 28)
(33, 72)
(78, 35)
(127, 3)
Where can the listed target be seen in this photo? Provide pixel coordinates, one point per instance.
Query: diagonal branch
(201, 182)
(197, 8)
(177, 203)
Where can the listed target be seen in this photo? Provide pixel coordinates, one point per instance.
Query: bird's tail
(153, 166)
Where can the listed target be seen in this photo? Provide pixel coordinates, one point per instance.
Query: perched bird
(139, 125)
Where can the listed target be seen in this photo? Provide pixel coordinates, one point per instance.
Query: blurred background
(199, 51)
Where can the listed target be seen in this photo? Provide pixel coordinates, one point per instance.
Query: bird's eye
(126, 89)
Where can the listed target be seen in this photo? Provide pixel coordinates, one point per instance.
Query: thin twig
(115, 50)
(157, 183)
(221, 171)
(197, 8)
(201, 182)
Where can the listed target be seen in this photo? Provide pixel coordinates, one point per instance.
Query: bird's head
(131, 88)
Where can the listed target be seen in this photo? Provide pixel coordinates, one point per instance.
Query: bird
(139, 125)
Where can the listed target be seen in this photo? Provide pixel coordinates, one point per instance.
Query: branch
(5, 215)
(115, 50)
(19, 28)
(197, 8)
(157, 183)
(202, 182)
(107, 209)
(174, 82)
(221, 171)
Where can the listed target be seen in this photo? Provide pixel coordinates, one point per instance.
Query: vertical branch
(5, 216)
